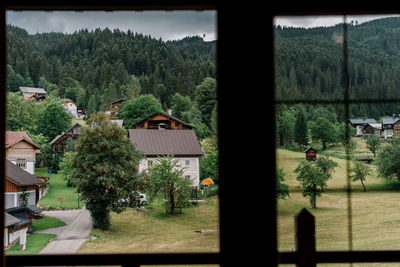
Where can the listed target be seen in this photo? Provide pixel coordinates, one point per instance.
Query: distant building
(39, 94)
(71, 107)
(162, 120)
(61, 140)
(360, 124)
(21, 150)
(391, 126)
(112, 108)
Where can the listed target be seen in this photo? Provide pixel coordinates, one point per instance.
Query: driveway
(70, 237)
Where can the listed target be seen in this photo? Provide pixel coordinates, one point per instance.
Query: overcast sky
(170, 25)
(317, 21)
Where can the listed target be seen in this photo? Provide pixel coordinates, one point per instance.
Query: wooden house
(360, 124)
(14, 231)
(161, 120)
(311, 153)
(39, 94)
(112, 108)
(61, 141)
(19, 181)
(391, 126)
(182, 144)
(21, 150)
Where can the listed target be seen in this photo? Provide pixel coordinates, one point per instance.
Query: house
(311, 153)
(39, 94)
(14, 230)
(112, 109)
(373, 128)
(360, 124)
(182, 144)
(21, 150)
(162, 120)
(391, 126)
(70, 107)
(18, 182)
(62, 140)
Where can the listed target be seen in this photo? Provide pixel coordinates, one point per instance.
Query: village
(159, 134)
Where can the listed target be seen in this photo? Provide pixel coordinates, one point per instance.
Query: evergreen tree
(301, 129)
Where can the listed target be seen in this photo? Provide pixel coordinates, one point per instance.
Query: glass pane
(103, 195)
(308, 61)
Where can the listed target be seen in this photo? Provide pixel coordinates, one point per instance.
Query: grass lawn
(46, 223)
(34, 244)
(374, 213)
(58, 188)
(133, 231)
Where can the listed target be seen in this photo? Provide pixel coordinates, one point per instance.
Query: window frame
(123, 259)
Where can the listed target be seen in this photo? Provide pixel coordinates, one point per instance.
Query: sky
(167, 25)
(317, 21)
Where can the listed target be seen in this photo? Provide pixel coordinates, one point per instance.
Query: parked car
(137, 199)
(142, 198)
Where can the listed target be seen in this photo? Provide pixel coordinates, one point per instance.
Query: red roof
(13, 137)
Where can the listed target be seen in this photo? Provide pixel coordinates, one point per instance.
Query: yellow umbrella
(207, 181)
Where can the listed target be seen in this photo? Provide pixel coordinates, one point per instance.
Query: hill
(107, 64)
(309, 64)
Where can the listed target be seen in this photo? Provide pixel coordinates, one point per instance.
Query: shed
(311, 153)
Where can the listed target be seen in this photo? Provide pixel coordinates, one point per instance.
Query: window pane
(110, 61)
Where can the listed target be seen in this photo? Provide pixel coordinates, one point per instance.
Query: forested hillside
(309, 65)
(107, 64)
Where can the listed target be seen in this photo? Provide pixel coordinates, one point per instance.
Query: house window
(187, 163)
(149, 162)
(187, 177)
(21, 163)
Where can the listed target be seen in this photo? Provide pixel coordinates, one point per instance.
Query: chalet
(71, 107)
(311, 153)
(19, 181)
(112, 109)
(164, 121)
(39, 94)
(62, 140)
(182, 144)
(391, 126)
(373, 128)
(21, 150)
(360, 124)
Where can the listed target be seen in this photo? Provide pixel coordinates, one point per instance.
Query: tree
(105, 168)
(301, 129)
(360, 170)
(323, 129)
(282, 189)
(167, 174)
(389, 160)
(373, 143)
(206, 98)
(313, 177)
(53, 120)
(209, 166)
(136, 109)
(180, 104)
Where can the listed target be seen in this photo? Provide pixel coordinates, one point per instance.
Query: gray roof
(32, 90)
(390, 120)
(20, 176)
(10, 220)
(362, 121)
(180, 143)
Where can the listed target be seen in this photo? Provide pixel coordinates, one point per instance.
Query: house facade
(360, 124)
(182, 144)
(391, 126)
(71, 107)
(112, 108)
(61, 141)
(162, 120)
(18, 182)
(21, 150)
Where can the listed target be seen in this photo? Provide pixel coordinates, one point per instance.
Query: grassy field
(58, 188)
(375, 213)
(134, 231)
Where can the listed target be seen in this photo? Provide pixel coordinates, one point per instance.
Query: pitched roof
(58, 137)
(13, 137)
(390, 120)
(20, 176)
(32, 90)
(154, 143)
(168, 116)
(10, 220)
(362, 121)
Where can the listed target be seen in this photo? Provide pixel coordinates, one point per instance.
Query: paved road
(70, 237)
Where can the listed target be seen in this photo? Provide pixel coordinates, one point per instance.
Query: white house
(182, 144)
